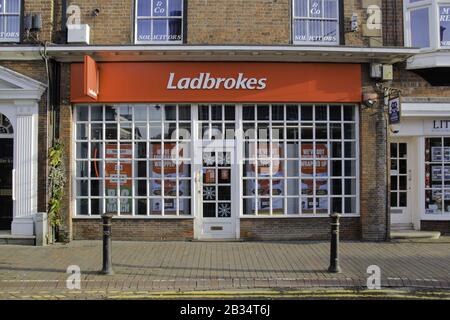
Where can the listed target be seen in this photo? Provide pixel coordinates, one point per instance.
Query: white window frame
(433, 18)
(324, 43)
(2, 13)
(133, 160)
(137, 17)
(300, 214)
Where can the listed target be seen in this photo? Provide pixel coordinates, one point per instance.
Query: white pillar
(25, 165)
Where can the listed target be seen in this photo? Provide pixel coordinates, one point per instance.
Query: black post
(334, 248)
(107, 245)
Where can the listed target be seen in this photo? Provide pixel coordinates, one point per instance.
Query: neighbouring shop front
(214, 150)
(420, 168)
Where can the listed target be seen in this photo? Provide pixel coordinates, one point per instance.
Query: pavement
(417, 269)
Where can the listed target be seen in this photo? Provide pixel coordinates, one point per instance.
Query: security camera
(96, 12)
(369, 103)
(370, 99)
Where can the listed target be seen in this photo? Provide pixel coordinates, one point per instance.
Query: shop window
(133, 160)
(316, 22)
(427, 23)
(437, 175)
(159, 21)
(302, 160)
(10, 20)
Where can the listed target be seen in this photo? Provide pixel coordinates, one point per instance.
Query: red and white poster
(321, 171)
(169, 173)
(118, 174)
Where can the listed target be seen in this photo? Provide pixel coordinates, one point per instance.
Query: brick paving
(190, 266)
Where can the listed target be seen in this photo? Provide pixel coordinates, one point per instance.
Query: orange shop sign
(238, 82)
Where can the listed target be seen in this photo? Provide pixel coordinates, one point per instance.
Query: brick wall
(114, 24)
(393, 23)
(135, 229)
(433, 225)
(238, 21)
(208, 21)
(297, 229)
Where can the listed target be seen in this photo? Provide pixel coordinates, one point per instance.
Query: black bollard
(334, 248)
(107, 245)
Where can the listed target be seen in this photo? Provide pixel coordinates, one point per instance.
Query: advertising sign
(321, 170)
(166, 175)
(194, 82)
(118, 174)
(91, 78)
(394, 110)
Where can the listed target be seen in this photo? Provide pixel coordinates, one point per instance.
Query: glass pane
(96, 207)
(292, 113)
(433, 201)
(175, 27)
(82, 207)
(12, 31)
(159, 8)
(248, 112)
(175, 8)
(140, 113)
(82, 188)
(420, 28)
(155, 113)
(307, 113)
(144, 8)
(82, 113)
(82, 131)
(140, 207)
(300, 8)
(292, 206)
(263, 112)
(159, 30)
(300, 30)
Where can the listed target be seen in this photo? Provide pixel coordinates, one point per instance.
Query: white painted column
(25, 165)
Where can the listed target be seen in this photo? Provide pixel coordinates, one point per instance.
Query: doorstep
(6, 238)
(414, 234)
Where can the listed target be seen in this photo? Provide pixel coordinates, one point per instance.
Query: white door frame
(406, 215)
(197, 200)
(19, 97)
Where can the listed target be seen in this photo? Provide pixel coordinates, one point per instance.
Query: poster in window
(444, 28)
(118, 174)
(447, 154)
(264, 173)
(436, 174)
(321, 170)
(168, 178)
(436, 154)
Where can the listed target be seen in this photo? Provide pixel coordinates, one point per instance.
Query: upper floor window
(427, 23)
(10, 20)
(159, 21)
(316, 22)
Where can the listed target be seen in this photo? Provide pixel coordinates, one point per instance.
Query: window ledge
(135, 218)
(436, 217)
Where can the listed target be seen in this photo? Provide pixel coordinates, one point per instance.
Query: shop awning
(292, 53)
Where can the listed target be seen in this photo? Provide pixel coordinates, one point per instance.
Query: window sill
(298, 216)
(134, 217)
(435, 217)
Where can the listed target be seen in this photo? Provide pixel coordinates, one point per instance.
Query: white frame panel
(3, 14)
(308, 19)
(136, 18)
(433, 17)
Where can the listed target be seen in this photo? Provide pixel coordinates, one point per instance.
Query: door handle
(13, 187)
